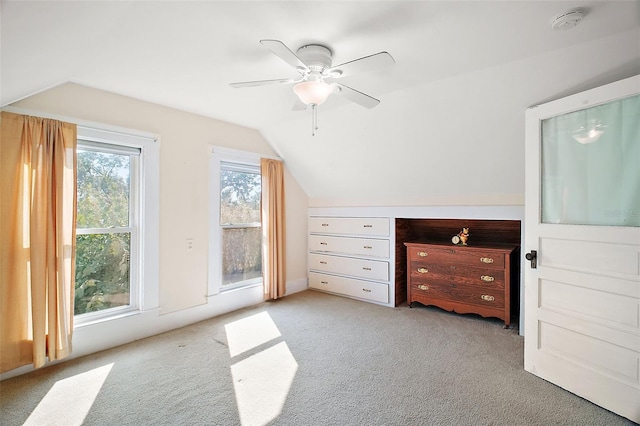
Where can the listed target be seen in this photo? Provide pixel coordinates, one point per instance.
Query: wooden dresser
(464, 279)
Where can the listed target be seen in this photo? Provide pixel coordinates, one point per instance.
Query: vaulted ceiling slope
(450, 126)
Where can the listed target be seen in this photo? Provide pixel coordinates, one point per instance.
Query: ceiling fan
(314, 85)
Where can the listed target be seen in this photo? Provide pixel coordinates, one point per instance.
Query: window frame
(133, 228)
(143, 218)
(240, 160)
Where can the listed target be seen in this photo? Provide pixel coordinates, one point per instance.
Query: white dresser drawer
(368, 290)
(363, 268)
(347, 245)
(366, 226)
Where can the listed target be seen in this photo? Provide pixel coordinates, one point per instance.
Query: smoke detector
(568, 19)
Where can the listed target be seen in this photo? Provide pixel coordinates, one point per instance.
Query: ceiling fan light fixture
(590, 132)
(588, 137)
(313, 92)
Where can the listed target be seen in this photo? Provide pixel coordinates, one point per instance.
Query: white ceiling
(451, 118)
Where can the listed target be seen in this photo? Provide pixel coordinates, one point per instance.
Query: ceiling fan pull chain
(314, 119)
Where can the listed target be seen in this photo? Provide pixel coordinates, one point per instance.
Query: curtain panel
(37, 225)
(273, 229)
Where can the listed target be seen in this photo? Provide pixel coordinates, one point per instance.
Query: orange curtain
(37, 252)
(273, 229)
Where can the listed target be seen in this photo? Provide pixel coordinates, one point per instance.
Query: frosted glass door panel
(591, 165)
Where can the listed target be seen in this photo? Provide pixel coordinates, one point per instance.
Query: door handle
(532, 257)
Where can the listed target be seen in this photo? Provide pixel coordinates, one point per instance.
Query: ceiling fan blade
(356, 96)
(364, 64)
(262, 82)
(279, 49)
(298, 105)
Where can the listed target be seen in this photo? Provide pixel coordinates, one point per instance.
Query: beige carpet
(307, 359)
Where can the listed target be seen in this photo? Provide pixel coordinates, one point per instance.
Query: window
(236, 234)
(107, 247)
(116, 225)
(240, 223)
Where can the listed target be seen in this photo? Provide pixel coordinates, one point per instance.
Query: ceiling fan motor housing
(315, 56)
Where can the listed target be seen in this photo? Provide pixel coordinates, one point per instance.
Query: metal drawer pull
(367, 247)
(322, 243)
(422, 254)
(368, 226)
(367, 290)
(423, 270)
(324, 282)
(487, 278)
(486, 260)
(366, 268)
(423, 287)
(322, 262)
(487, 298)
(325, 224)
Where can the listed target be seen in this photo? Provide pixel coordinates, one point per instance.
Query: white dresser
(350, 256)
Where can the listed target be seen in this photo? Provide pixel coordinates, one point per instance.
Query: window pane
(239, 197)
(590, 173)
(102, 272)
(103, 189)
(241, 254)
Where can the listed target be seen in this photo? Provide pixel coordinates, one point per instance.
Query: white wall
(184, 209)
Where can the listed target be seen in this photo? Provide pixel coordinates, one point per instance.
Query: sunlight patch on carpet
(69, 400)
(262, 380)
(262, 383)
(250, 332)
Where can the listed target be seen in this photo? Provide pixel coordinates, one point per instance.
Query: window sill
(241, 286)
(106, 317)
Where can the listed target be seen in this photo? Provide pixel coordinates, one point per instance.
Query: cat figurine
(464, 236)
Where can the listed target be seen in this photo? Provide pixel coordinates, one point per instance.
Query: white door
(582, 218)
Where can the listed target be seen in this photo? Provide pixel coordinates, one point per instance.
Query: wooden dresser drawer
(460, 274)
(368, 290)
(348, 245)
(365, 226)
(363, 268)
(492, 298)
(460, 255)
